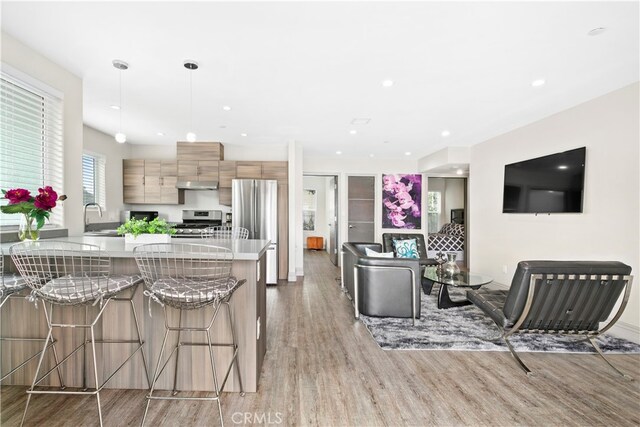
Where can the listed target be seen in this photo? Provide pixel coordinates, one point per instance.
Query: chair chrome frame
(375, 267)
(590, 336)
(225, 232)
(178, 260)
(35, 281)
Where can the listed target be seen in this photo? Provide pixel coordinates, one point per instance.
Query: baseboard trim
(626, 330)
(291, 277)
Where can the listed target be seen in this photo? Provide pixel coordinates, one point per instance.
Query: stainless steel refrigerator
(255, 207)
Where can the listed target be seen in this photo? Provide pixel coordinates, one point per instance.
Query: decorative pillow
(406, 248)
(371, 252)
(452, 229)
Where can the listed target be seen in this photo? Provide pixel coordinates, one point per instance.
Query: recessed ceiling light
(596, 31)
(114, 107)
(160, 134)
(226, 108)
(353, 131)
(387, 83)
(243, 134)
(338, 152)
(459, 172)
(538, 83)
(563, 167)
(445, 133)
(407, 153)
(371, 155)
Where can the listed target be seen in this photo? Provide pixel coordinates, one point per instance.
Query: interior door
(361, 200)
(332, 216)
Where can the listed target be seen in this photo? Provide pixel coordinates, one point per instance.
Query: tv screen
(549, 184)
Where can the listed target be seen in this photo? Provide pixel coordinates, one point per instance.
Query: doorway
(320, 214)
(447, 217)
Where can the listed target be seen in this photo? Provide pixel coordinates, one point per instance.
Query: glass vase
(450, 268)
(28, 229)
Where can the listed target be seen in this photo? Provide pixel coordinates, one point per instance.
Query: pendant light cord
(190, 100)
(120, 81)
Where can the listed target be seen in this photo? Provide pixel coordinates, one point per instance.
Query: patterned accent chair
(424, 260)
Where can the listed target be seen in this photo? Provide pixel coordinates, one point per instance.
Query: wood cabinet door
(168, 168)
(227, 173)
(133, 194)
(249, 170)
(187, 170)
(225, 196)
(276, 170)
(132, 172)
(208, 170)
(200, 151)
(283, 231)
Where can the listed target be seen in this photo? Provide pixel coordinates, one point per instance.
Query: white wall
(608, 229)
(30, 62)
(96, 142)
(321, 223)
(343, 167)
(453, 196)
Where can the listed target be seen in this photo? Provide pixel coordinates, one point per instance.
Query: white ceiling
(303, 71)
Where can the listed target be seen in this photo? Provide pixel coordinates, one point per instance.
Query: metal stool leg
(175, 374)
(95, 373)
(156, 373)
(144, 358)
(35, 376)
(215, 375)
(84, 351)
(235, 347)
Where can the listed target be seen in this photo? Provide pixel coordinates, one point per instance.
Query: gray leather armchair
(558, 297)
(387, 244)
(381, 287)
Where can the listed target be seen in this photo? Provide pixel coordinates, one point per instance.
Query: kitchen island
(19, 318)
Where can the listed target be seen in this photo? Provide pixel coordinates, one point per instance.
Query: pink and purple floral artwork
(401, 201)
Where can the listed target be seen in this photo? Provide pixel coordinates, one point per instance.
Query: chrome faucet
(84, 212)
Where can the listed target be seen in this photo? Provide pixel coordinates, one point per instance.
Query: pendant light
(121, 66)
(191, 66)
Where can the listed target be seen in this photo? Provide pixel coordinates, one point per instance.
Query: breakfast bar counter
(20, 318)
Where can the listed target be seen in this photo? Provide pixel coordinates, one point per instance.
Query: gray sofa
(381, 287)
(557, 297)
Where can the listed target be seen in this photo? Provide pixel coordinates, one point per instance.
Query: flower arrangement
(33, 208)
(401, 201)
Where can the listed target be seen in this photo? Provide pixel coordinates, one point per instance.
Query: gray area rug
(468, 328)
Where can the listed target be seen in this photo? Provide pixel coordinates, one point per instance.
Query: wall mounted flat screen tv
(549, 184)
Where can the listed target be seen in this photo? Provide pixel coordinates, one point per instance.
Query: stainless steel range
(193, 222)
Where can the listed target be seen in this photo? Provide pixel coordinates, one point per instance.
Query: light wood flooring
(323, 368)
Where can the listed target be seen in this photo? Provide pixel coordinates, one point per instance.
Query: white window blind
(31, 150)
(93, 179)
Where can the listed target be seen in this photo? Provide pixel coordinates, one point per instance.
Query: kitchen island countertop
(243, 249)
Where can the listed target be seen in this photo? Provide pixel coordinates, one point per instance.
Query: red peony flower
(17, 195)
(46, 200)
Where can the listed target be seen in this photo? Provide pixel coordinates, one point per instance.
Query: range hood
(197, 185)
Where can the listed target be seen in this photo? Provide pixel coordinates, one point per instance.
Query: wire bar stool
(187, 276)
(73, 274)
(225, 232)
(11, 286)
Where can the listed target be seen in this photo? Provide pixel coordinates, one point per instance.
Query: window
(93, 179)
(434, 208)
(30, 141)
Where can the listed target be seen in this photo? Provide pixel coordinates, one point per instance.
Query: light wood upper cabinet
(249, 170)
(276, 170)
(151, 181)
(227, 173)
(200, 151)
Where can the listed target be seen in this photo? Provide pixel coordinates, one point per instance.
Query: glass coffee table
(460, 280)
